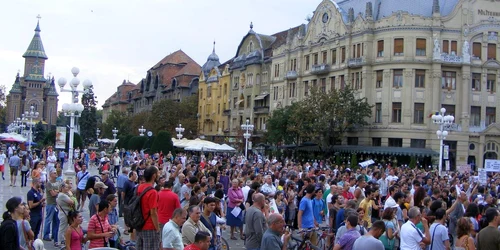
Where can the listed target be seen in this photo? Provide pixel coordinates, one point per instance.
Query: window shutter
(380, 45)
(454, 46)
(446, 46)
(379, 76)
(398, 45)
(476, 49)
(492, 51)
(421, 44)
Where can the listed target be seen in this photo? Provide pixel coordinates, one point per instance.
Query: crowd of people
(187, 204)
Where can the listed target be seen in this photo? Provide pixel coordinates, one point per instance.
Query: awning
(260, 97)
(385, 150)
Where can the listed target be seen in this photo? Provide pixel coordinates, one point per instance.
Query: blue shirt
(318, 206)
(306, 207)
(339, 218)
(113, 220)
(120, 183)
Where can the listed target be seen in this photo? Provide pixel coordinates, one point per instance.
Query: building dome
(212, 61)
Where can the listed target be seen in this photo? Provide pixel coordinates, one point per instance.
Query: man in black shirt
(128, 191)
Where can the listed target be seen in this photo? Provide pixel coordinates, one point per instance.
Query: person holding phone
(99, 230)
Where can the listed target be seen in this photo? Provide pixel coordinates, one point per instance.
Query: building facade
(32, 88)
(408, 59)
(174, 77)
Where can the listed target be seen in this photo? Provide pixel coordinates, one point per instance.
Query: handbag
(106, 244)
(29, 243)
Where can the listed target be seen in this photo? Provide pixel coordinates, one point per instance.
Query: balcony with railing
(291, 75)
(355, 62)
(226, 112)
(319, 69)
(261, 110)
(451, 58)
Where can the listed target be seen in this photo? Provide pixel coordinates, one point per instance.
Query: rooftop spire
(251, 25)
(35, 49)
(213, 51)
(435, 6)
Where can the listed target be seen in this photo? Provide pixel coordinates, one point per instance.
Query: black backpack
(9, 236)
(133, 209)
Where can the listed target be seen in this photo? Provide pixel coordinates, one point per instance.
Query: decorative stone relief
(436, 74)
(493, 36)
(436, 54)
(420, 95)
(397, 94)
(491, 98)
(409, 73)
(387, 74)
(466, 52)
(379, 95)
(466, 76)
(475, 97)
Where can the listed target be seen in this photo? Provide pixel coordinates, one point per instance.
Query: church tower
(33, 89)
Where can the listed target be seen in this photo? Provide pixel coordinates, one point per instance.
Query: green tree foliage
(3, 115)
(413, 162)
(62, 120)
(149, 143)
(39, 132)
(124, 141)
(168, 114)
(163, 143)
(50, 139)
(354, 161)
(88, 120)
(322, 118)
(118, 120)
(137, 142)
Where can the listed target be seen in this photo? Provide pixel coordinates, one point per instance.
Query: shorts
(148, 239)
(2, 168)
(13, 171)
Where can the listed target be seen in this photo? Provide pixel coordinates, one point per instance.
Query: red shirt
(192, 247)
(347, 195)
(168, 201)
(148, 202)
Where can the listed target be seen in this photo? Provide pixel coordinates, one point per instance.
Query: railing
(320, 68)
(291, 75)
(355, 62)
(261, 109)
(450, 58)
(226, 112)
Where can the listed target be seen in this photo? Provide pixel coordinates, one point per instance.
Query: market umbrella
(9, 139)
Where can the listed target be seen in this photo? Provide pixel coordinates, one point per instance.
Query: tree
(149, 143)
(62, 120)
(125, 140)
(3, 115)
(280, 128)
(39, 132)
(118, 120)
(137, 142)
(163, 143)
(354, 160)
(88, 120)
(135, 122)
(167, 114)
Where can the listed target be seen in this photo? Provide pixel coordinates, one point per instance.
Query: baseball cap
(390, 204)
(100, 185)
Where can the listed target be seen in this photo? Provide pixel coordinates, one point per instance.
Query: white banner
(61, 137)
(464, 168)
(446, 151)
(492, 165)
(483, 178)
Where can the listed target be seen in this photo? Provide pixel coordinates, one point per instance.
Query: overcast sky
(112, 40)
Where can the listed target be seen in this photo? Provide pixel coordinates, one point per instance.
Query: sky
(113, 40)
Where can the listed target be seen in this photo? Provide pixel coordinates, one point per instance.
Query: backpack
(134, 208)
(9, 228)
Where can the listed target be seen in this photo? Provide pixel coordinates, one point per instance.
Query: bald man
(272, 237)
(255, 221)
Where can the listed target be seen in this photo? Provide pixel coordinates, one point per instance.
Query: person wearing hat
(97, 192)
(110, 185)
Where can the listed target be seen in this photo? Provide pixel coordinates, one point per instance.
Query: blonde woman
(64, 204)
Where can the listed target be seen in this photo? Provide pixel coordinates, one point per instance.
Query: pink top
(76, 239)
(233, 194)
(95, 227)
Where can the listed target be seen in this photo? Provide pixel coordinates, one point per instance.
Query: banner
(61, 137)
(483, 178)
(492, 165)
(446, 151)
(463, 169)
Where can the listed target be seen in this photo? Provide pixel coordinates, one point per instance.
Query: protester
(439, 231)
(168, 201)
(411, 237)
(272, 237)
(464, 240)
(36, 202)
(82, 178)
(26, 234)
(65, 204)
(201, 242)
(371, 239)
(14, 163)
(346, 241)
(74, 234)
(148, 237)
(9, 231)
(489, 236)
(193, 225)
(235, 219)
(51, 210)
(171, 233)
(99, 230)
(255, 221)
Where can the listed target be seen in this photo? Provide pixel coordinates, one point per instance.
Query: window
(292, 90)
(275, 93)
(276, 70)
(342, 82)
(380, 79)
(358, 84)
(476, 50)
(314, 83)
(490, 115)
(201, 93)
(376, 141)
(398, 78)
(421, 47)
(352, 140)
(475, 116)
(307, 62)
(378, 112)
(380, 48)
(342, 59)
(420, 78)
(257, 79)
(250, 79)
(324, 57)
(218, 110)
(236, 82)
(396, 112)
(492, 51)
(248, 101)
(417, 143)
(209, 91)
(323, 85)
(315, 59)
(453, 50)
(446, 47)
(334, 56)
(235, 102)
(293, 64)
(398, 46)
(490, 83)
(450, 109)
(264, 78)
(476, 81)
(332, 83)
(418, 113)
(306, 88)
(449, 80)
(395, 142)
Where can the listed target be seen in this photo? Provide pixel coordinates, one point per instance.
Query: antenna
(39, 17)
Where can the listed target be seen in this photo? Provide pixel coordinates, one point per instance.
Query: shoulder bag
(106, 244)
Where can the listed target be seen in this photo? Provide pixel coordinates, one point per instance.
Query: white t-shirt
(411, 236)
(2, 158)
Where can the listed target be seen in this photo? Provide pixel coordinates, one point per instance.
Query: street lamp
(73, 109)
(32, 114)
(248, 128)
(444, 122)
(179, 131)
(142, 130)
(115, 133)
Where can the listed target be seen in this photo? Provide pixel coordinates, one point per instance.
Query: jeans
(35, 223)
(24, 178)
(63, 226)
(120, 202)
(116, 171)
(51, 218)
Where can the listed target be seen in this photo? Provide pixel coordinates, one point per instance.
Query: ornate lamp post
(248, 128)
(32, 114)
(444, 122)
(73, 109)
(179, 131)
(142, 130)
(115, 133)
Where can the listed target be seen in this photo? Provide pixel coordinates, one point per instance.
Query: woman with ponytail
(9, 233)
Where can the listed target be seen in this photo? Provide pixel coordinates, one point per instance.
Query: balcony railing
(451, 58)
(320, 69)
(355, 62)
(261, 110)
(291, 75)
(226, 112)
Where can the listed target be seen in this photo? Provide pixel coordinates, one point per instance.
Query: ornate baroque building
(408, 58)
(174, 77)
(32, 88)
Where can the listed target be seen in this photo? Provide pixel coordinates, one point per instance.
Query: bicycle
(222, 245)
(297, 243)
